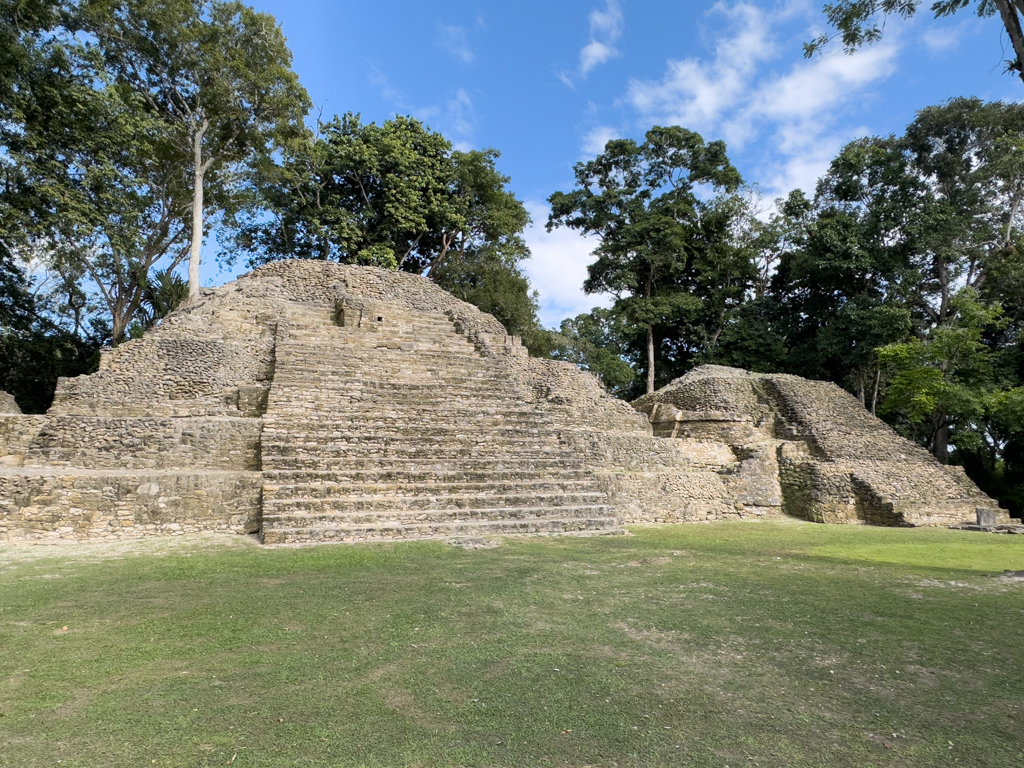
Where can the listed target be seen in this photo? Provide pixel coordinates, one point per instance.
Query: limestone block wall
(650, 480)
(8, 404)
(812, 450)
(16, 436)
(170, 435)
(146, 443)
(41, 505)
(821, 492)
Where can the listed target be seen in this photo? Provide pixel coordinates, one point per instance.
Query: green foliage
(352, 193)
(663, 251)
(34, 350)
(599, 342)
(217, 75)
(398, 196)
(861, 22)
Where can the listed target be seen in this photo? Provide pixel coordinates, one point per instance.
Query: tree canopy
(861, 22)
(663, 251)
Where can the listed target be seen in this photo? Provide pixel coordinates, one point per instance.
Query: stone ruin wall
(814, 448)
(166, 437)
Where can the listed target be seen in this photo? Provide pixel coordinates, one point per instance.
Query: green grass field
(744, 644)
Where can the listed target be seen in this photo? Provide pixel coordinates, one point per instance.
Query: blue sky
(547, 83)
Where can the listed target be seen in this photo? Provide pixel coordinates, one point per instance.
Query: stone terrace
(830, 459)
(312, 402)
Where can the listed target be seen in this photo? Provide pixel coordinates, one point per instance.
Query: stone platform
(815, 447)
(312, 402)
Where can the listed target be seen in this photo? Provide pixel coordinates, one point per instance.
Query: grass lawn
(733, 644)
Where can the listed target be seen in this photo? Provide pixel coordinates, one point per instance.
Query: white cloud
(597, 137)
(738, 96)
(605, 30)
(942, 39)
(594, 53)
(558, 267)
(460, 119)
(455, 41)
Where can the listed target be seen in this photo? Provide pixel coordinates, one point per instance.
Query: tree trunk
(650, 358)
(874, 391)
(860, 387)
(117, 326)
(1013, 30)
(196, 254)
(940, 449)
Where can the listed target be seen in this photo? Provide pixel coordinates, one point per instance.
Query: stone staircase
(398, 428)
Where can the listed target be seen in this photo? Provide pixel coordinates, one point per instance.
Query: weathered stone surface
(811, 447)
(315, 402)
(8, 404)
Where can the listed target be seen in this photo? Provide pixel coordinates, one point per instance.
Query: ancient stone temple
(315, 402)
(813, 447)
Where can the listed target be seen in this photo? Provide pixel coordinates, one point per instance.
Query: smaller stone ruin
(812, 449)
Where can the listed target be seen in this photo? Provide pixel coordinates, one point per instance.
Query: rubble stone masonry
(315, 402)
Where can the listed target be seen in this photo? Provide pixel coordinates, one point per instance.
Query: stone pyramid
(316, 402)
(814, 447)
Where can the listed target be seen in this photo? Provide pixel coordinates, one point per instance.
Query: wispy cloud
(595, 139)
(605, 31)
(460, 118)
(558, 267)
(942, 39)
(455, 41)
(736, 94)
(456, 117)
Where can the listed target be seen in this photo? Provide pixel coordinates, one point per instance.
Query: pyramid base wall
(82, 505)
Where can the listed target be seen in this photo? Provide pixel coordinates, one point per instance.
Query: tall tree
(663, 252)
(396, 195)
(600, 342)
(219, 75)
(92, 182)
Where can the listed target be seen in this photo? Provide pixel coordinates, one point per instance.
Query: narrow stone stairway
(402, 430)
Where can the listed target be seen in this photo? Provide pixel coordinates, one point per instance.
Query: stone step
(295, 420)
(494, 464)
(328, 517)
(369, 344)
(279, 503)
(413, 381)
(483, 398)
(354, 533)
(467, 359)
(414, 412)
(324, 323)
(275, 488)
(345, 433)
(284, 426)
(421, 478)
(433, 450)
